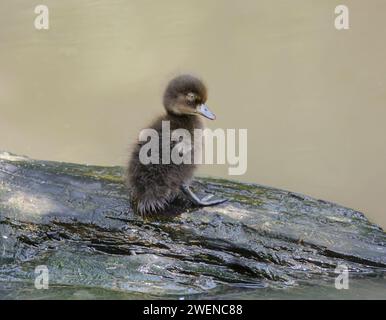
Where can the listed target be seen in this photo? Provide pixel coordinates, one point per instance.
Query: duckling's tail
(147, 206)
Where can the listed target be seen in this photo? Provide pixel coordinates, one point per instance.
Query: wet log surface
(77, 220)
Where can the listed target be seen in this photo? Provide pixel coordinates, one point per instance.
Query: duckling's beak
(204, 111)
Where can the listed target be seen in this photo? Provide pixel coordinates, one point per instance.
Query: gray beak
(204, 111)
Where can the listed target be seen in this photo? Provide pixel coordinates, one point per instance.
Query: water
(358, 289)
(312, 98)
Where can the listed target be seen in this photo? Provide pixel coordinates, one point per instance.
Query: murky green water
(358, 289)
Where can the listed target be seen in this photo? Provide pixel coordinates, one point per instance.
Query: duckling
(155, 186)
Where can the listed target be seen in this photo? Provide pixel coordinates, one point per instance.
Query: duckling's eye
(191, 98)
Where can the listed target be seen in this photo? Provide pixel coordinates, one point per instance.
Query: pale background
(312, 98)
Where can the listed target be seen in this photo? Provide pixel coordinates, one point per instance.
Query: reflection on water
(312, 98)
(359, 289)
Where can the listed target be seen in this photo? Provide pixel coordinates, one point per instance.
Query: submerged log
(76, 220)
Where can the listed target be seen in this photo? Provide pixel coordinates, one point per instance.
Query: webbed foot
(204, 202)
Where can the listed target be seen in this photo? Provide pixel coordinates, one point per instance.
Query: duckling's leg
(200, 202)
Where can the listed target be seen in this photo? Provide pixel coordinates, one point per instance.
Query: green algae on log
(76, 220)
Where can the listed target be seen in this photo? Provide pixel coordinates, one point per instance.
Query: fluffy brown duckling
(155, 186)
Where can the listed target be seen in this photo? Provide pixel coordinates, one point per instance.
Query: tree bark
(76, 220)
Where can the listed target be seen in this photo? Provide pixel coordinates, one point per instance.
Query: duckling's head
(186, 95)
